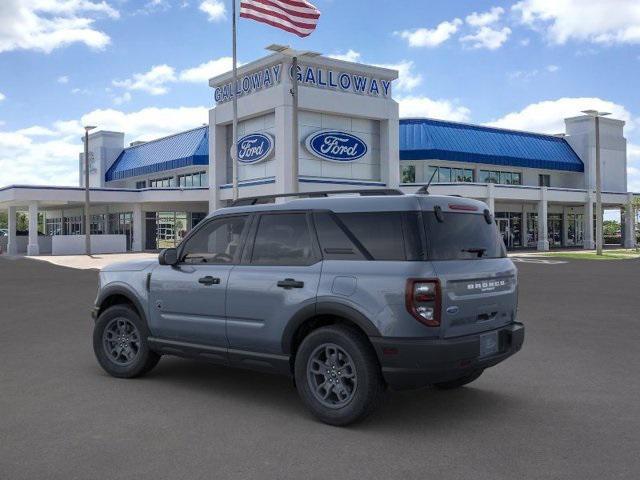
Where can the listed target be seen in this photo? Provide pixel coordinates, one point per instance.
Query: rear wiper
(479, 251)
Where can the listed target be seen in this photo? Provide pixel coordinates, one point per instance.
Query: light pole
(596, 114)
(295, 145)
(87, 216)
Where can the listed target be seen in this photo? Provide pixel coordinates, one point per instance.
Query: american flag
(294, 16)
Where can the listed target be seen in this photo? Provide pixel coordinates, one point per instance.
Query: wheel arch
(119, 295)
(322, 314)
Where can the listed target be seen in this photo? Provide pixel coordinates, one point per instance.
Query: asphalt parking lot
(567, 406)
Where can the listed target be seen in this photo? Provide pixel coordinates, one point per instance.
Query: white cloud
(45, 25)
(157, 80)
(154, 81)
(48, 155)
(424, 37)
(523, 75)
(407, 78)
(349, 56)
(526, 75)
(214, 9)
(153, 6)
(487, 37)
(420, 106)
(2, 96)
(486, 18)
(63, 79)
(36, 131)
(203, 72)
(120, 99)
(595, 21)
(633, 167)
(548, 116)
(525, 42)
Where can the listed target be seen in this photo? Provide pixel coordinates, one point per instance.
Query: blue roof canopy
(427, 139)
(176, 151)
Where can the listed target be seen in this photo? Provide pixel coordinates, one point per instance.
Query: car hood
(130, 266)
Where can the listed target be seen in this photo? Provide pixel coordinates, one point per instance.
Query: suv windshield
(461, 236)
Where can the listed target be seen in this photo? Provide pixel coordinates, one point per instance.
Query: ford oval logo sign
(336, 146)
(255, 148)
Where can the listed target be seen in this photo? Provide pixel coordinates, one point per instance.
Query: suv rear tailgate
(477, 295)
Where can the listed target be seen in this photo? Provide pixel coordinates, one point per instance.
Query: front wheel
(459, 382)
(120, 343)
(337, 375)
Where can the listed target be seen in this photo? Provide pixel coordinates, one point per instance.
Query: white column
(12, 245)
(589, 242)
(629, 224)
(138, 232)
(390, 151)
(218, 149)
(543, 238)
(490, 200)
(283, 154)
(33, 248)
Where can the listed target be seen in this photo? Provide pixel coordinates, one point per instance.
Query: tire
(459, 382)
(358, 386)
(135, 357)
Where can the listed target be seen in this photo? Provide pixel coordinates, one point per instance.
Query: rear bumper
(409, 363)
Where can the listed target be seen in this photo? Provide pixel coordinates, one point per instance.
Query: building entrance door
(505, 231)
(554, 229)
(510, 228)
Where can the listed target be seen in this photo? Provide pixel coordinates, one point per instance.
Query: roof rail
(325, 193)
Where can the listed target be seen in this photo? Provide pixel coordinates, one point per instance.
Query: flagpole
(234, 146)
(294, 126)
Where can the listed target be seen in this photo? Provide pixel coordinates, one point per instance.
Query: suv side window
(381, 233)
(334, 241)
(217, 242)
(283, 239)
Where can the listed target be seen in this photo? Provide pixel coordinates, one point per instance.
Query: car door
(187, 300)
(278, 276)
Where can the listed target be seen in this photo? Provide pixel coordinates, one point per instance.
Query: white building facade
(146, 196)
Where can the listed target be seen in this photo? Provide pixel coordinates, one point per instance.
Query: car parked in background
(348, 295)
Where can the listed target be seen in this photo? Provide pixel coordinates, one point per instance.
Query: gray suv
(346, 294)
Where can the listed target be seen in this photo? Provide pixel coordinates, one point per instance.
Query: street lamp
(87, 216)
(596, 114)
(294, 54)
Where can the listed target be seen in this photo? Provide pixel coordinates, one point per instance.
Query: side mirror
(168, 256)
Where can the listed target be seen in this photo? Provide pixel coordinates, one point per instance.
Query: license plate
(488, 344)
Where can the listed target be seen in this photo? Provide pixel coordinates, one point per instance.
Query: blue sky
(142, 66)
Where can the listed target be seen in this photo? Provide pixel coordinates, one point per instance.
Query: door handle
(290, 283)
(209, 280)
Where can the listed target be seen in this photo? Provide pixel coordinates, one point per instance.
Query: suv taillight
(423, 300)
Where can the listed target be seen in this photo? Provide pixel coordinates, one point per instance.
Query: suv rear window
(461, 236)
(369, 236)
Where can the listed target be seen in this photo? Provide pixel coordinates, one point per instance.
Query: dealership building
(146, 196)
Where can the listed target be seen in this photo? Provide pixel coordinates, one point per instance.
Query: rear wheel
(459, 382)
(120, 343)
(337, 375)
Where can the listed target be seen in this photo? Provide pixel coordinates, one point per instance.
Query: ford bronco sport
(346, 294)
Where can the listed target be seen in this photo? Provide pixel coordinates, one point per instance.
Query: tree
(635, 214)
(610, 228)
(3, 220)
(22, 223)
